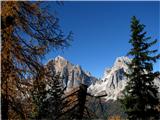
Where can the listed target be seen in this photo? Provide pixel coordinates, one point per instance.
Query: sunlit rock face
(112, 83)
(72, 74)
(114, 80)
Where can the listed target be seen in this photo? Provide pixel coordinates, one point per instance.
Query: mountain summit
(114, 80)
(72, 74)
(112, 83)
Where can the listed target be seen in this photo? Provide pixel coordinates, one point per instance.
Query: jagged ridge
(72, 74)
(114, 80)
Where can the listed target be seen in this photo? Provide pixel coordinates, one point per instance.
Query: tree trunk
(81, 99)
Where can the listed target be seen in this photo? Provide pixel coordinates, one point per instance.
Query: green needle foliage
(140, 98)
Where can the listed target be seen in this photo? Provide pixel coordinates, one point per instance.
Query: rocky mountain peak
(120, 65)
(121, 62)
(112, 83)
(114, 80)
(60, 58)
(72, 74)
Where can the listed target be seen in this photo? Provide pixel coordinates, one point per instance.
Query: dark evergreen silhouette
(48, 96)
(53, 106)
(140, 95)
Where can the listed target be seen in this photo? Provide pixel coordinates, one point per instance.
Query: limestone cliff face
(72, 74)
(112, 83)
(114, 80)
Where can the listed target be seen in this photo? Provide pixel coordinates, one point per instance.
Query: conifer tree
(28, 33)
(55, 103)
(48, 96)
(140, 95)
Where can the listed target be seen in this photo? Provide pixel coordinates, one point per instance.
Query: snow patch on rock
(114, 81)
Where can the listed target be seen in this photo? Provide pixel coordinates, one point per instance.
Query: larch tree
(28, 33)
(140, 95)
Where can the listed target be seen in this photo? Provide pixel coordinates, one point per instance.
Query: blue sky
(102, 30)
